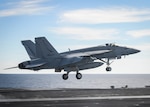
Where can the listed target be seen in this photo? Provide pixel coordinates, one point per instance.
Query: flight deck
(133, 97)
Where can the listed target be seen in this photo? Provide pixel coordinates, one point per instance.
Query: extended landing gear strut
(78, 75)
(108, 68)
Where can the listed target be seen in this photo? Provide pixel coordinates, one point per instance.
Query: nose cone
(132, 51)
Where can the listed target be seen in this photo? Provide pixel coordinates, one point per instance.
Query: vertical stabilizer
(30, 48)
(43, 48)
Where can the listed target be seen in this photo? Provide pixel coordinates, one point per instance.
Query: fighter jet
(44, 56)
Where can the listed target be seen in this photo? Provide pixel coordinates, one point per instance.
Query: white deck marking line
(75, 98)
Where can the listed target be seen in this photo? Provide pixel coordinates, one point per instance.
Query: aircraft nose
(137, 51)
(133, 51)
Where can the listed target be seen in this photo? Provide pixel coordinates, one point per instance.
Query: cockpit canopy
(110, 44)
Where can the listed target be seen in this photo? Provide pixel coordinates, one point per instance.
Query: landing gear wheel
(65, 76)
(108, 69)
(78, 75)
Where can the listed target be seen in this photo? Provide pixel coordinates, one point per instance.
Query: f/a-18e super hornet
(44, 56)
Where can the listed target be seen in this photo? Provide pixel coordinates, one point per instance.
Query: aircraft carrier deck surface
(131, 97)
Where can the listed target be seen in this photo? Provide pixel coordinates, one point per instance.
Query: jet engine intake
(57, 70)
(84, 66)
(90, 65)
(119, 57)
(70, 61)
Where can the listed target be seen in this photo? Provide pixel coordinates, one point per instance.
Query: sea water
(55, 81)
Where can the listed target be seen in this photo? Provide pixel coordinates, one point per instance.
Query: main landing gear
(65, 76)
(78, 76)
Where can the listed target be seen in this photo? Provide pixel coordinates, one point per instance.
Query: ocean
(55, 81)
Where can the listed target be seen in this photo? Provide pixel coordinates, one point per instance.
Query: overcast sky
(76, 24)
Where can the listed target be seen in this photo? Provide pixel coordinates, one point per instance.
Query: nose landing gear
(108, 68)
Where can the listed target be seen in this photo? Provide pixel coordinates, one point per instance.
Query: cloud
(105, 15)
(83, 33)
(139, 33)
(24, 7)
(143, 47)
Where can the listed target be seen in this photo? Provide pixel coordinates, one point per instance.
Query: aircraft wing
(88, 53)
